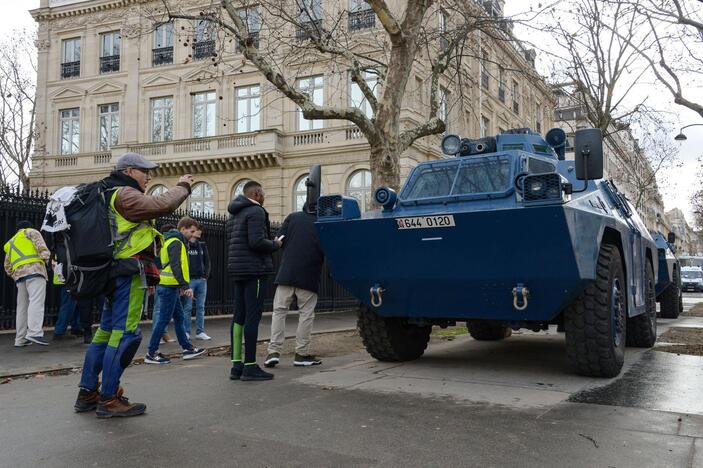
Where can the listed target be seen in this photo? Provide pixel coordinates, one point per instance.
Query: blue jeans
(170, 307)
(68, 313)
(156, 311)
(199, 287)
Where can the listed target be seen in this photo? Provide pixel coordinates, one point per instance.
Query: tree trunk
(385, 166)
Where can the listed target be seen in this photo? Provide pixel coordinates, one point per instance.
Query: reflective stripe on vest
(131, 238)
(167, 277)
(21, 250)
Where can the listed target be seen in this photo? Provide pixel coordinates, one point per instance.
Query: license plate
(426, 222)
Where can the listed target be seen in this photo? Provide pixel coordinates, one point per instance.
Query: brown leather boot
(88, 400)
(119, 406)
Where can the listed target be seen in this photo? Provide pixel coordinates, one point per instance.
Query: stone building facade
(112, 81)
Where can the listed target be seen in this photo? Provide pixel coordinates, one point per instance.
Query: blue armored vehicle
(668, 288)
(502, 234)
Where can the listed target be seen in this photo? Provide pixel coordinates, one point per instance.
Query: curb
(140, 361)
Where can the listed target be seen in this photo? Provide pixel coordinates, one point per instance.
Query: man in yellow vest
(25, 257)
(117, 339)
(174, 283)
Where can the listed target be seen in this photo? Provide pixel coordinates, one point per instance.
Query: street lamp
(681, 136)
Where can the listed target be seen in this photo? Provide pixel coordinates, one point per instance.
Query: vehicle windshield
(692, 274)
(469, 176)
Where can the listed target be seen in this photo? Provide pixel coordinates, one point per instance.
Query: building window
(162, 53)
(538, 118)
(443, 111)
(204, 114)
(516, 98)
(484, 69)
(485, 126)
(359, 187)
(109, 125)
(239, 188)
(358, 99)
(70, 131)
(361, 16)
(501, 84)
(71, 63)
(252, 19)
(442, 28)
(202, 199)
(162, 119)
(248, 109)
(492, 8)
(110, 52)
(204, 43)
(300, 193)
(313, 87)
(157, 190)
(309, 20)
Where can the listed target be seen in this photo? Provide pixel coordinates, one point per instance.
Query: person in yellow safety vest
(25, 257)
(68, 311)
(174, 283)
(117, 339)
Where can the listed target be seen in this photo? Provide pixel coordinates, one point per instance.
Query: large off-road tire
(670, 299)
(487, 330)
(596, 322)
(642, 329)
(391, 338)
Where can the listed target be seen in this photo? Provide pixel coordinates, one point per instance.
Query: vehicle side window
(485, 175)
(432, 181)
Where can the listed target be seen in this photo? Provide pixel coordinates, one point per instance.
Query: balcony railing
(363, 19)
(110, 64)
(203, 49)
(501, 94)
(308, 29)
(162, 56)
(253, 37)
(70, 69)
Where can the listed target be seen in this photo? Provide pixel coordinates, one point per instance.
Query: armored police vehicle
(668, 286)
(502, 234)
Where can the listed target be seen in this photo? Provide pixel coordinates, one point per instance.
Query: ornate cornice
(49, 14)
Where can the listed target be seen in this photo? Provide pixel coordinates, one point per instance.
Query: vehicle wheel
(671, 301)
(596, 322)
(642, 329)
(391, 338)
(488, 330)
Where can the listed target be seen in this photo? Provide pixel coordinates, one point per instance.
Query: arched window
(300, 193)
(157, 190)
(359, 187)
(239, 188)
(202, 199)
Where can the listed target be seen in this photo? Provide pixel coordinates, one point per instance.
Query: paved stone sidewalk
(69, 353)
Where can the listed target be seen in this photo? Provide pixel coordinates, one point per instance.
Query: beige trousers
(307, 300)
(30, 308)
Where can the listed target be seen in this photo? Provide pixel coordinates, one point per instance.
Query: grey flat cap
(134, 160)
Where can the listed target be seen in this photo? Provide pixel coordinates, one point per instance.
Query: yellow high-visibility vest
(132, 237)
(21, 251)
(167, 278)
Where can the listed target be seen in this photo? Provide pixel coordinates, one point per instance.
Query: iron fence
(15, 206)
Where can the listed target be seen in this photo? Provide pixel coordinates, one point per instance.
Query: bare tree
(297, 36)
(697, 200)
(18, 70)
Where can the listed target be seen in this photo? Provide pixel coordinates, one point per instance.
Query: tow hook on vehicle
(520, 296)
(377, 295)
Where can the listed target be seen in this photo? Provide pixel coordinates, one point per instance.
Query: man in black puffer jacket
(249, 247)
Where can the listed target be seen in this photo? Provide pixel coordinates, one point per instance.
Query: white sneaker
(23, 343)
(203, 336)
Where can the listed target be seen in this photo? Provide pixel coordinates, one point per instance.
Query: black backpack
(86, 248)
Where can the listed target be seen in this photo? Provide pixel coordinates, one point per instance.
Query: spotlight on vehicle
(451, 145)
(386, 197)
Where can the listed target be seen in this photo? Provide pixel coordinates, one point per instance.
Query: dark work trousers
(85, 310)
(248, 305)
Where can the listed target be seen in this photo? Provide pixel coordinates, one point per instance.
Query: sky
(677, 186)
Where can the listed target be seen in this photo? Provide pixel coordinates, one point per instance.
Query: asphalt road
(465, 403)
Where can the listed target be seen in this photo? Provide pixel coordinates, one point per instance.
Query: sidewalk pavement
(69, 353)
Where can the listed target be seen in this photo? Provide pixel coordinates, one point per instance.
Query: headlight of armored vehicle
(451, 145)
(539, 187)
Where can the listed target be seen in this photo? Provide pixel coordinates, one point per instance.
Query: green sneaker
(272, 359)
(308, 360)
